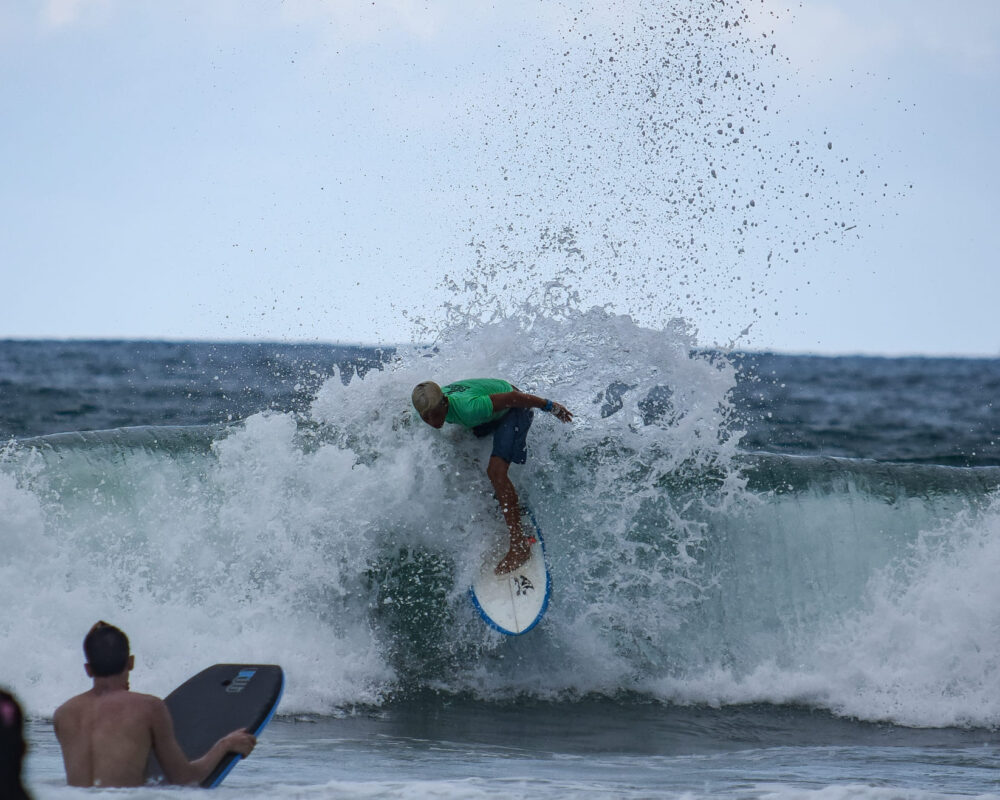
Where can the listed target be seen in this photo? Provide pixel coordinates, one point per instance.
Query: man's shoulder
(144, 709)
(75, 702)
(66, 709)
(139, 697)
(73, 713)
(476, 386)
(147, 702)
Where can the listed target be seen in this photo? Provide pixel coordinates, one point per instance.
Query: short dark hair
(12, 746)
(107, 650)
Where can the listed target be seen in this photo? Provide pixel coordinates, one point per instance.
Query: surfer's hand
(242, 742)
(561, 412)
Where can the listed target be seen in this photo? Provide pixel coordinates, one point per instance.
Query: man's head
(430, 403)
(107, 651)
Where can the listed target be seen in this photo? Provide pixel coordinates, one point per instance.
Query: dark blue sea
(774, 575)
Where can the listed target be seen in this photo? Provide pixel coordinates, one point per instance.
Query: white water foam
(259, 548)
(916, 645)
(340, 544)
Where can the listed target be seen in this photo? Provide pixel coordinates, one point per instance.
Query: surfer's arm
(176, 767)
(516, 399)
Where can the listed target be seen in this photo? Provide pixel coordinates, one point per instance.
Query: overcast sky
(317, 169)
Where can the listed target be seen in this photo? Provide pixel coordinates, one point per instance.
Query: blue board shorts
(510, 435)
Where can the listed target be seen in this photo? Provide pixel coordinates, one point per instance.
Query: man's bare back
(107, 733)
(106, 736)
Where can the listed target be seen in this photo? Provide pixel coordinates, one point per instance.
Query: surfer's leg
(510, 507)
(510, 447)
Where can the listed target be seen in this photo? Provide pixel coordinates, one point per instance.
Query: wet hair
(12, 747)
(107, 650)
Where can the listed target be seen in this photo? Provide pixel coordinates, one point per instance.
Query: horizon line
(368, 345)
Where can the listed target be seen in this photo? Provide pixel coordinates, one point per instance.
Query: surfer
(107, 733)
(491, 405)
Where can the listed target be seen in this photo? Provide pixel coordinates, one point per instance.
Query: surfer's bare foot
(516, 556)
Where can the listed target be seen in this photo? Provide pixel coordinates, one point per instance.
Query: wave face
(339, 540)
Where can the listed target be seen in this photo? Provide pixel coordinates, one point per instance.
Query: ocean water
(774, 576)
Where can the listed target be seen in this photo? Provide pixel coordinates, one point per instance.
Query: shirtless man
(107, 733)
(491, 406)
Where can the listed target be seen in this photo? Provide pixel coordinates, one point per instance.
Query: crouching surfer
(107, 733)
(485, 406)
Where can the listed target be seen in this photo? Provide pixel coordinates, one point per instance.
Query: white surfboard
(515, 602)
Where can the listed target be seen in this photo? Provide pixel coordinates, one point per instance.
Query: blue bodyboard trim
(237, 758)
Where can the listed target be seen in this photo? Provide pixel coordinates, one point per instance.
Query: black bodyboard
(217, 701)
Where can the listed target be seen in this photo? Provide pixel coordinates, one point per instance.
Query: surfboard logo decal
(522, 585)
(241, 680)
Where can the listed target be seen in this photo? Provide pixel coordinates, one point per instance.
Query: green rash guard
(469, 401)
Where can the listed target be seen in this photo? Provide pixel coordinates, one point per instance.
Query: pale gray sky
(312, 169)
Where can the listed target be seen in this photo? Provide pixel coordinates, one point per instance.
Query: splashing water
(645, 163)
(277, 536)
(340, 542)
